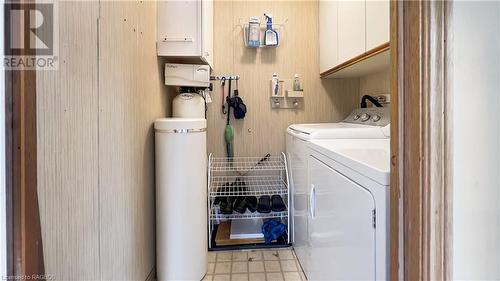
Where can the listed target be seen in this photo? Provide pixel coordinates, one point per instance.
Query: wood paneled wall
(263, 130)
(67, 137)
(375, 84)
(95, 138)
(132, 96)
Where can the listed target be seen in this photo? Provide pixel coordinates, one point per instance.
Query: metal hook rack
(225, 78)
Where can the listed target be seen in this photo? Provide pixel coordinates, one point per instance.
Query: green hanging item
(228, 132)
(229, 136)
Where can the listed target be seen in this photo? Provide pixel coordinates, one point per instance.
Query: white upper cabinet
(351, 18)
(377, 23)
(185, 30)
(328, 34)
(350, 28)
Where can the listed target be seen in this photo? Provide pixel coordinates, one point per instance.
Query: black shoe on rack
(240, 205)
(226, 206)
(251, 203)
(277, 204)
(219, 199)
(264, 205)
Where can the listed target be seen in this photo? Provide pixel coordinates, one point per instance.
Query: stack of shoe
(239, 204)
(236, 203)
(271, 203)
(245, 202)
(226, 203)
(265, 204)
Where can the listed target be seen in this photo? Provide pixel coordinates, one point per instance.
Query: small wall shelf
(278, 27)
(287, 98)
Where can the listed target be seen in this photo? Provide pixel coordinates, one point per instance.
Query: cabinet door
(351, 23)
(377, 23)
(328, 34)
(342, 235)
(179, 28)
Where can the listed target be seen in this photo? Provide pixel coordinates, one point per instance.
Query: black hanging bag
(239, 107)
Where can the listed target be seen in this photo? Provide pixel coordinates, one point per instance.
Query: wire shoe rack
(251, 186)
(246, 176)
(246, 164)
(249, 215)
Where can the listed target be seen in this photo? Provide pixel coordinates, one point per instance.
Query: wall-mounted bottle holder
(286, 98)
(278, 27)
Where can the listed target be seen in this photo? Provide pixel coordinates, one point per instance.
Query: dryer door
(341, 227)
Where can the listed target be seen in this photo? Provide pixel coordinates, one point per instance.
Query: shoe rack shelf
(238, 177)
(237, 216)
(238, 166)
(252, 186)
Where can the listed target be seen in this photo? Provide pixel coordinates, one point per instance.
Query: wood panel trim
(421, 133)
(24, 238)
(8, 173)
(396, 203)
(448, 147)
(436, 165)
(364, 56)
(25, 256)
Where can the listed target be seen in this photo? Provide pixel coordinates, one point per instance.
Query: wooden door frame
(24, 238)
(420, 141)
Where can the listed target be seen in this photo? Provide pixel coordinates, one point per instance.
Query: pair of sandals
(239, 204)
(273, 203)
(228, 204)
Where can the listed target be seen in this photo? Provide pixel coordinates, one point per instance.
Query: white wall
(476, 138)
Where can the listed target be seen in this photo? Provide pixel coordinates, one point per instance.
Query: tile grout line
(275, 258)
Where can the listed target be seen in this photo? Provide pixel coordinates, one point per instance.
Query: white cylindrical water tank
(188, 105)
(181, 198)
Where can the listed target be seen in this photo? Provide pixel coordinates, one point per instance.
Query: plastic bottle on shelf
(253, 32)
(296, 83)
(275, 84)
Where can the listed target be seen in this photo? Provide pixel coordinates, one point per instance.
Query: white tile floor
(254, 265)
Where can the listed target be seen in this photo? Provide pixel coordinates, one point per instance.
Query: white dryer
(363, 123)
(349, 209)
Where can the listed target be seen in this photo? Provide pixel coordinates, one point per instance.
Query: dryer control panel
(374, 116)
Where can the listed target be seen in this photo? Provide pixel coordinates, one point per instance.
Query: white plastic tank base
(188, 105)
(181, 198)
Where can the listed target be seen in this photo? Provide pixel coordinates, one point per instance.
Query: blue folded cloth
(272, 230)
